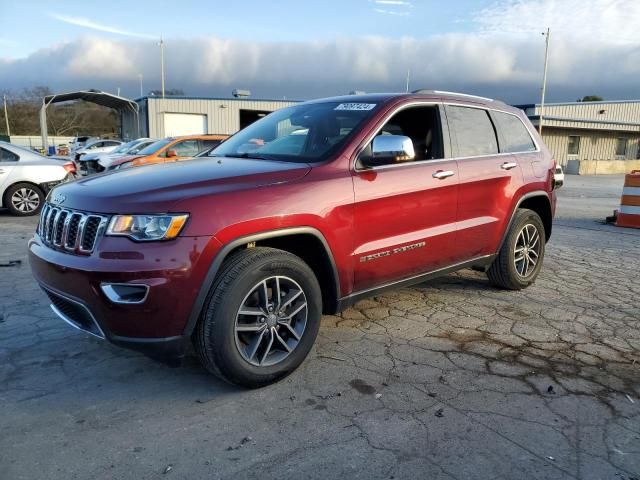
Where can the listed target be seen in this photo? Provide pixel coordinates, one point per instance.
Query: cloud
(86, 23)
(391, 12)
(393, 2)
(611, 22)
(401, 8)
(595, 49)
(499, 66)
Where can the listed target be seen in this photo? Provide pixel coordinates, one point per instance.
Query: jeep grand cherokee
(304, 212)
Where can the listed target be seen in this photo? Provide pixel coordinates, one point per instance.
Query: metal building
(173, 116)
(591, 137)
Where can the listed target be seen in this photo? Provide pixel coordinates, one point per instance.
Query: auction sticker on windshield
(355, 106)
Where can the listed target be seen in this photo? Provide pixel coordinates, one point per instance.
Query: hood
(122, 159)
(156, 188)
(108, 159)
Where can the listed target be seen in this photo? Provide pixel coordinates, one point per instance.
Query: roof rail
(442, 92)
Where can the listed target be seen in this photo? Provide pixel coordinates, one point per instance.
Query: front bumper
(173, 272)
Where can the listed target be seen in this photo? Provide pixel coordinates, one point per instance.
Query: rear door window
(514, 136)
(472, 131)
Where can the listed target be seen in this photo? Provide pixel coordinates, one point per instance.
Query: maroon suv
(304, 212)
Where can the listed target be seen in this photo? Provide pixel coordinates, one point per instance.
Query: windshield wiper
(255, 156)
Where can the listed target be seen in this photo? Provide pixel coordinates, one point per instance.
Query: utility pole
(408, 77)
(6, 115)
(140, 78)
(544, 78)
(162, 64)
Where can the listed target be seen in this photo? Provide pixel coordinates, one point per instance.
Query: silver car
(26, 177)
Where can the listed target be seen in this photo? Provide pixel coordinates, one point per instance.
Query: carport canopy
(94, 96)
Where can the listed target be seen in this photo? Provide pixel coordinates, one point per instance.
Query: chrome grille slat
(71, 230)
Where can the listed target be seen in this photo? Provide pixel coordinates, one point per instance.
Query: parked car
(26, 177)
(170, 149)
(98, 162)
(97, 146)
(559, 176)
(241, 253)
(79, 142)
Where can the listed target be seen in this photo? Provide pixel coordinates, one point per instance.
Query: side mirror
(171, 153)
(389, 149)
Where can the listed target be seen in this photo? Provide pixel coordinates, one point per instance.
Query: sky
(301, 49)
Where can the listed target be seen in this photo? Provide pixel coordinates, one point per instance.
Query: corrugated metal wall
(594, 145)
(223, 116)
(623, 112)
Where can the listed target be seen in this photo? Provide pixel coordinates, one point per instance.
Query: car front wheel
(261, 319)
(23, 199)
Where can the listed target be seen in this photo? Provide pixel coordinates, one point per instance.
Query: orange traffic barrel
(629, 213)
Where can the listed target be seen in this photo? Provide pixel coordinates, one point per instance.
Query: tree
(591, 98)
(66, 119)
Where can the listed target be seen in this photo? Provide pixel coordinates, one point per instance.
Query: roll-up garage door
(176, 124)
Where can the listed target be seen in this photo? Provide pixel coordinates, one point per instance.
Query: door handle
(508, 165)
(442, 174)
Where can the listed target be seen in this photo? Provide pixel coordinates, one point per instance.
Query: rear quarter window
(514, 136)
(7, 156)
(472, 131)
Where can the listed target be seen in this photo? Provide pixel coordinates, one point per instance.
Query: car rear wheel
(520, 258)
(23, 199)
(261, 318)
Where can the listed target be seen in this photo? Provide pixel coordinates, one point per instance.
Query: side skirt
(476, 263)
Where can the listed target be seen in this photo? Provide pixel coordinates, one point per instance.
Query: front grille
(70, 230)
(75, 313)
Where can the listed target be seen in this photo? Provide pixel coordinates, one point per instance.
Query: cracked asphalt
(451, 379)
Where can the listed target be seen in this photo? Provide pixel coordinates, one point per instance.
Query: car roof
(423, 94)
(202, 136)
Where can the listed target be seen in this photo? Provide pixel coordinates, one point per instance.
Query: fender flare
(227, 248)
(526, 196)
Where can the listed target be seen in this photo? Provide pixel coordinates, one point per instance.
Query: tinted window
(7, 156)
(621, 147)
(472, 130)
(514, 136)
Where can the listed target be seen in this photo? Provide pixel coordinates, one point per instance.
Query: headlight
(147, 227)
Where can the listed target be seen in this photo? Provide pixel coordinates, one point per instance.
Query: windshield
(139, 146)
(125, 147)
(309, 132)
(155, 146)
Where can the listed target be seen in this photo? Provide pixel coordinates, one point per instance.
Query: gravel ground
(451, 379)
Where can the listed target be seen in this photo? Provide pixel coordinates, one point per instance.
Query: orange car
(170, 149)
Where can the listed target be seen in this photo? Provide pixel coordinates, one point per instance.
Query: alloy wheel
(527, 250)
(25, 200)
(271, 321)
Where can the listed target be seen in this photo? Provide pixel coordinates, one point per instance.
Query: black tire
(505, 271)
(215, 339)
(22, 208)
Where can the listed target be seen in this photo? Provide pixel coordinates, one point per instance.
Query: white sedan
(26, 177)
